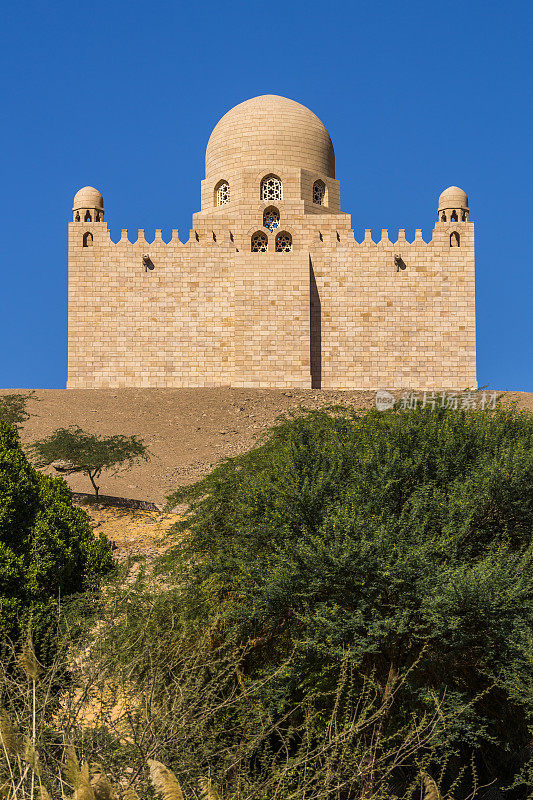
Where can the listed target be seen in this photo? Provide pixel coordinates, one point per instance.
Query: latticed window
(271, 218)
(271, 188)
(319, 192)
(259, 243)
(223, 194)
(283, 242)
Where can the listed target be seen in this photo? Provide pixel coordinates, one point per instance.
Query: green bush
(47, 547)
(398, 540)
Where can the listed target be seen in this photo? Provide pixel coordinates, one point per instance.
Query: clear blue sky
(123, 96)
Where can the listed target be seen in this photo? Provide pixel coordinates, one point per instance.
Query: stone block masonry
(271, 290)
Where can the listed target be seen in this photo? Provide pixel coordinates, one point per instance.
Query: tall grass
(60, 724)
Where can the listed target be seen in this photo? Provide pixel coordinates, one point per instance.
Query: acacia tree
(74, 450)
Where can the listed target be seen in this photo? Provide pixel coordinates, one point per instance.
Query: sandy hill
(186, 430)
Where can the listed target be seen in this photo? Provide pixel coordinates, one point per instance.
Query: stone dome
(88, 197)
(453, 197)
(269, 130)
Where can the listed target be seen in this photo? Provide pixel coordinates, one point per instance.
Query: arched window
(222, 193)
(319, 193)
(463, 216)
(283, 242)
(87, 239)
(455, 239)
(271, 188)
(87, 217)
(97, 216)
(259, 242)
(443, 218)
(271, 218)
(454, 217)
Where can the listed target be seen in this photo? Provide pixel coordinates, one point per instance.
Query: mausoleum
(270, 288)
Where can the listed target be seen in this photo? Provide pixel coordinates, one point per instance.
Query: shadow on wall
(315, 337)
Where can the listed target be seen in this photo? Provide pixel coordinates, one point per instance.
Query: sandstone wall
(333, 313)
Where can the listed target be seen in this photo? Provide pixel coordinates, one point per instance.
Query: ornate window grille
(283, 242)
(319, 193)
(223, 194)
(271, 218)
(271, 188)
(259, 243)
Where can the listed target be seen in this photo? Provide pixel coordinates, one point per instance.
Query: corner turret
(453, 205)
(88, 205)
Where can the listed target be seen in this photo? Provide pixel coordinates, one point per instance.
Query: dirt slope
(187, 430)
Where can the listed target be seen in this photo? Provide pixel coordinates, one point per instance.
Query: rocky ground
(134, 533)
(187, 430)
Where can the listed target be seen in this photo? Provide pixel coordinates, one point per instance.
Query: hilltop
(187, 430)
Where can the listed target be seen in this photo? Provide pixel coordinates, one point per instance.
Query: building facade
(271, 289)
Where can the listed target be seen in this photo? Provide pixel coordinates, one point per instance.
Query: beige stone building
(271, 289)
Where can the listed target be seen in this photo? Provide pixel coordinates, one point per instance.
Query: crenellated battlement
(196, 238)
(224, 236)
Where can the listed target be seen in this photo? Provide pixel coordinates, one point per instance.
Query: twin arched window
(283, 242)
(271, 188)
(222, 193)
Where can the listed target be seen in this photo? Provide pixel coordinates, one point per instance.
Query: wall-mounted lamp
(399, 263)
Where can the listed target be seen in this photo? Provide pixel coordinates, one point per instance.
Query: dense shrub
(47, 547)
(153, 690)
(400, 541)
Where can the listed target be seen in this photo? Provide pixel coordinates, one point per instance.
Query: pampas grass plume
(30, 755)
(9, 736)
(164, 781)
(71, 768)
(102, 788)
(207, 790)
(28, 661)
(84, 790)
(431, 790)
(43, 793)
(130, 794)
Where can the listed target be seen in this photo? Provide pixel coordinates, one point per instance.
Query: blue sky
(417, 96)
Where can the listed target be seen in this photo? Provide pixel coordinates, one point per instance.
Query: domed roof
(88, 197)
(269, 130)
(453, 197)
